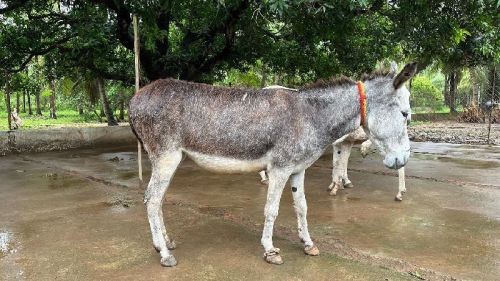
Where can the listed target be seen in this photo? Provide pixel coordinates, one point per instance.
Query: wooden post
(493, 88)
(136, 53)
(7, 104)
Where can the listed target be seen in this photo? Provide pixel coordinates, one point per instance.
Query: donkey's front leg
(401, 187)
(300, 205)
(277, 181)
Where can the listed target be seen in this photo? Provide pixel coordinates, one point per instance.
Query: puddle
(462, 162)
(470, 164)
(127, 175)
(5, 243)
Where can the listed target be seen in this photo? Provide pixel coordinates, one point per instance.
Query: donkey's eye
(405, 114)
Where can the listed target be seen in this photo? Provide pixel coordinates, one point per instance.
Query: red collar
(362, 103)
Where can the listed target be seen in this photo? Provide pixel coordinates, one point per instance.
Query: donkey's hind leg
(341, 153)
(170, 242)
(163, 169)
(263, 177)
(300, 205)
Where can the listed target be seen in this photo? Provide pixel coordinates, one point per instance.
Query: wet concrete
(78, 215)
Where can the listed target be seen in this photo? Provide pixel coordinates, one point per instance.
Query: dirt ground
(454, 132)
(78, 215)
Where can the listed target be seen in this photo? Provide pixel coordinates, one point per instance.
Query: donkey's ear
(408, 71)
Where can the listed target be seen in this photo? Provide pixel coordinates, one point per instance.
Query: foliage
(249, 78)
(455, 33)
(236, 42)
(424, 94)
(199, 40)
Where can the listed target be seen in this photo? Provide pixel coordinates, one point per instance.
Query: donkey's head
(388, 110)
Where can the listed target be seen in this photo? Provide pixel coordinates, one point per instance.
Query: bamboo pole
(493, 88)
(7, 104)
(136, 53)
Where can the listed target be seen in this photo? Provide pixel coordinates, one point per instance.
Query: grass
(64, 118)
(417, 110)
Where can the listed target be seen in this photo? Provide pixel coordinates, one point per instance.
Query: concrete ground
(78, 215)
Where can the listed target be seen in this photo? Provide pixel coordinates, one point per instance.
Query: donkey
(341, 152)
(245, 130)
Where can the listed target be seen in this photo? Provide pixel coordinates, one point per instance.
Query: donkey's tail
(139, 145)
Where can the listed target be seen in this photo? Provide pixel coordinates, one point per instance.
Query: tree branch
(226, 26)
(124, 21)
(35, 53)
(163, 23)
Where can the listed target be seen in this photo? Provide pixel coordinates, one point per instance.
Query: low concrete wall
(434, 117)
(63, 138)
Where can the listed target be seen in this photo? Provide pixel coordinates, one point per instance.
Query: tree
(201, 40)
(105, 102)
(197, 40)
(52, 102)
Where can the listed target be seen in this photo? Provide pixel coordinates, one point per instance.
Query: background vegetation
(72, 60)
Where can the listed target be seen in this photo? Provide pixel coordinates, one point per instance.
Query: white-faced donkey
(246, 130)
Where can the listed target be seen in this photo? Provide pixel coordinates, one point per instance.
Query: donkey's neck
(336, 110)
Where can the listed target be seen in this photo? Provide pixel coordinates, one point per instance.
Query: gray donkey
(245, 130)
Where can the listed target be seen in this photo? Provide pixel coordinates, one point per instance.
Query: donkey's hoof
(349, 185)
(264, 182)
(273, 256)
(333, 192)
(168, 261)
(171, 245)
(311, 250)
(330, 187)
(398, 198)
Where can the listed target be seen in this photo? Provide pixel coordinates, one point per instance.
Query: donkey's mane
(344, 80)
(330, 82)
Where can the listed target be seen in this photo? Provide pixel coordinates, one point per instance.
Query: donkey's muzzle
(396, 160)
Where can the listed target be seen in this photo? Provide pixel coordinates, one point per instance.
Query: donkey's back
(236, 123)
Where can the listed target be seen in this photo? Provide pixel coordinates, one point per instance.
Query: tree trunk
(475, 87)
(37, 101)
(122, 107)
(18, 102)
(30, 111)
(24, 101)
(454, 79)
(446, 92)
(52, 100)
(264, 76)
(105, 103)
(7, 104)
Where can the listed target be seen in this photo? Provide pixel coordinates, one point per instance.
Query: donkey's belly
(225, 164)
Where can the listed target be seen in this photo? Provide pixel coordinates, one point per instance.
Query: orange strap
(362, 103)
